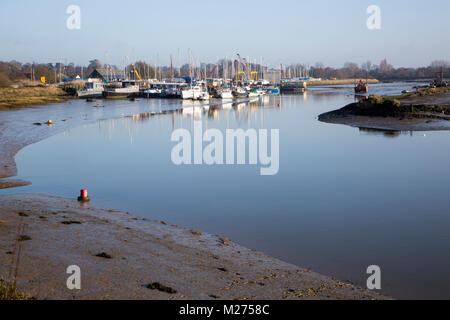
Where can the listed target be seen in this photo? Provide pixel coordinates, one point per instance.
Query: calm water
(344, 198)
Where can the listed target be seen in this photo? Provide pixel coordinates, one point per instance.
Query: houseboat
(93, 88)
(121, 90)
(292, 86)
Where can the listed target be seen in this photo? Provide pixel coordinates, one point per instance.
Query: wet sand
(138, 252)
(123, 256)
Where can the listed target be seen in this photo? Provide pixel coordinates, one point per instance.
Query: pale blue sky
(413, 33)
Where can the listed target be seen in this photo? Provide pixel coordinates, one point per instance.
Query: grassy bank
(339, 82)
(20, 97)
(420, 93)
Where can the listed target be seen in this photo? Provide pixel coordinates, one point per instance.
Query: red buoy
(84, 196)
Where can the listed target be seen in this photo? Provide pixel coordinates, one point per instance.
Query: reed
(11, 98)
(9, 291)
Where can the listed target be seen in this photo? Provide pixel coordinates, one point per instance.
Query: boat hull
(120, 95)
(89, 95)
(292, 90)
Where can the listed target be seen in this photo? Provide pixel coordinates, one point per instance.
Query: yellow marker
(43, 79)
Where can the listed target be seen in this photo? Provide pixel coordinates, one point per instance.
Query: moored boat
(253, 93)
(361, 87)
(226, 93)
(153, 93)
(121, 90)
(272, 91)
(239, 92)
(293, 86)
(92, 89)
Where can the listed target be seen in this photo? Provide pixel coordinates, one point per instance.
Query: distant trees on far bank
(14, 72)
(383, 71)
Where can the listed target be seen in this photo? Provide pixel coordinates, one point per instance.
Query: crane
(135, 72)
(247, 68)
(244, 65)
(212, 71)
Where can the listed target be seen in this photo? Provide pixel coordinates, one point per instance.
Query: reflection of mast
(173, 121)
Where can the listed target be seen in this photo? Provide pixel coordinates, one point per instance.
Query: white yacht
(239, 92)
(187, 93)
(195, 93)
(204, 95)
(226, 94)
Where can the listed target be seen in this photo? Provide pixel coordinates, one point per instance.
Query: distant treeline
(14, 72)
(383, 71)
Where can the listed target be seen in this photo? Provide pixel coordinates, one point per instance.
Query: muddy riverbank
(423, 111)
(122, 256)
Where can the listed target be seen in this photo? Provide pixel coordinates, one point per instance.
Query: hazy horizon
(286, 32)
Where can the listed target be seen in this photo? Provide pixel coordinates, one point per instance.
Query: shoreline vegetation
(8, 291)
(427, 109)
(13, 98)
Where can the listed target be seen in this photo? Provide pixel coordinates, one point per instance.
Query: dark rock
(70, 222)
(24, 238)
(160, 287)
(104, 255)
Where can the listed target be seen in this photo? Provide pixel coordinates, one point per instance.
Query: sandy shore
(135, 253)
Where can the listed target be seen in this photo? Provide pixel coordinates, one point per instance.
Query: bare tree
(440, 64)
(367, 66)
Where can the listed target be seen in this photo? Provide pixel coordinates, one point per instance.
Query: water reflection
(386, 133)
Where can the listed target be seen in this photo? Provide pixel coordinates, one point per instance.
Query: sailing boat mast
(171, 68)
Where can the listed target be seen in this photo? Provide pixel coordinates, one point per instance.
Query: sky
(413, 33)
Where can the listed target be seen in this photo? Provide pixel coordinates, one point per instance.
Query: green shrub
(376, 99)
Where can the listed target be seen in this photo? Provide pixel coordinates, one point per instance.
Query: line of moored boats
(176, 89)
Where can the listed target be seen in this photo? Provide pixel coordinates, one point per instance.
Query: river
(344, 198)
